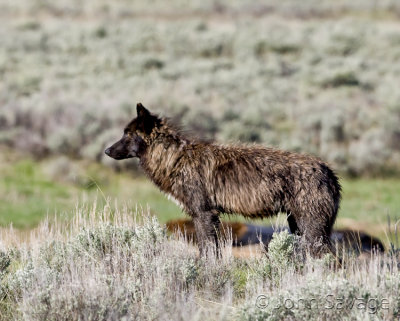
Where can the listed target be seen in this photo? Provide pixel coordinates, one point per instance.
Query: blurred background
(318, 77)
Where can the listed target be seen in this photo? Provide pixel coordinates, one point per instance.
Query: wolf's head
(136, 135)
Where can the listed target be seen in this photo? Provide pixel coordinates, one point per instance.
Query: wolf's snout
(108, 151)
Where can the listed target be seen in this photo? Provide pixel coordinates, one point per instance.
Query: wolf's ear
(146, 120)
(142, 111)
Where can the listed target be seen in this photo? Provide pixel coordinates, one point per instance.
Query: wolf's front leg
(207, 226)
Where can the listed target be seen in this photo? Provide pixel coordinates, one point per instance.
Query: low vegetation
(314, 77)
(114, 264)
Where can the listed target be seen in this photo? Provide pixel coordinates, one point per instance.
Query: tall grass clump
(115, 264)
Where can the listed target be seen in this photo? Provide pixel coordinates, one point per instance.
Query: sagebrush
(317, 77)
(112, 264)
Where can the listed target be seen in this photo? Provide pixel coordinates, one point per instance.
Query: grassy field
(30, 191)
(315, 77)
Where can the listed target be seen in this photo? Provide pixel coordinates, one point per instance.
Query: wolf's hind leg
(294, 229)
(207, 226)
(316, 233)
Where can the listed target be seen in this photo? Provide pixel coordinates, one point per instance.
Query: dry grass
(110, 264)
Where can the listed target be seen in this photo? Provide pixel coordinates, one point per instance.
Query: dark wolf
(208, 179)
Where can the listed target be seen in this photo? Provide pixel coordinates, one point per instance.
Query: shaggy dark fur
(207, 179)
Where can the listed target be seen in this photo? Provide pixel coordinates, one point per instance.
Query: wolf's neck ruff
(162, 159)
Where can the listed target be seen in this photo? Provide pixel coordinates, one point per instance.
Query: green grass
(369, 204)
(28, 194)
(139, 191)
(371, 199)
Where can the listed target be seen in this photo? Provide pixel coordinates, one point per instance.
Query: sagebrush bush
(281, 249)
(70, 89)
(111, 264)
